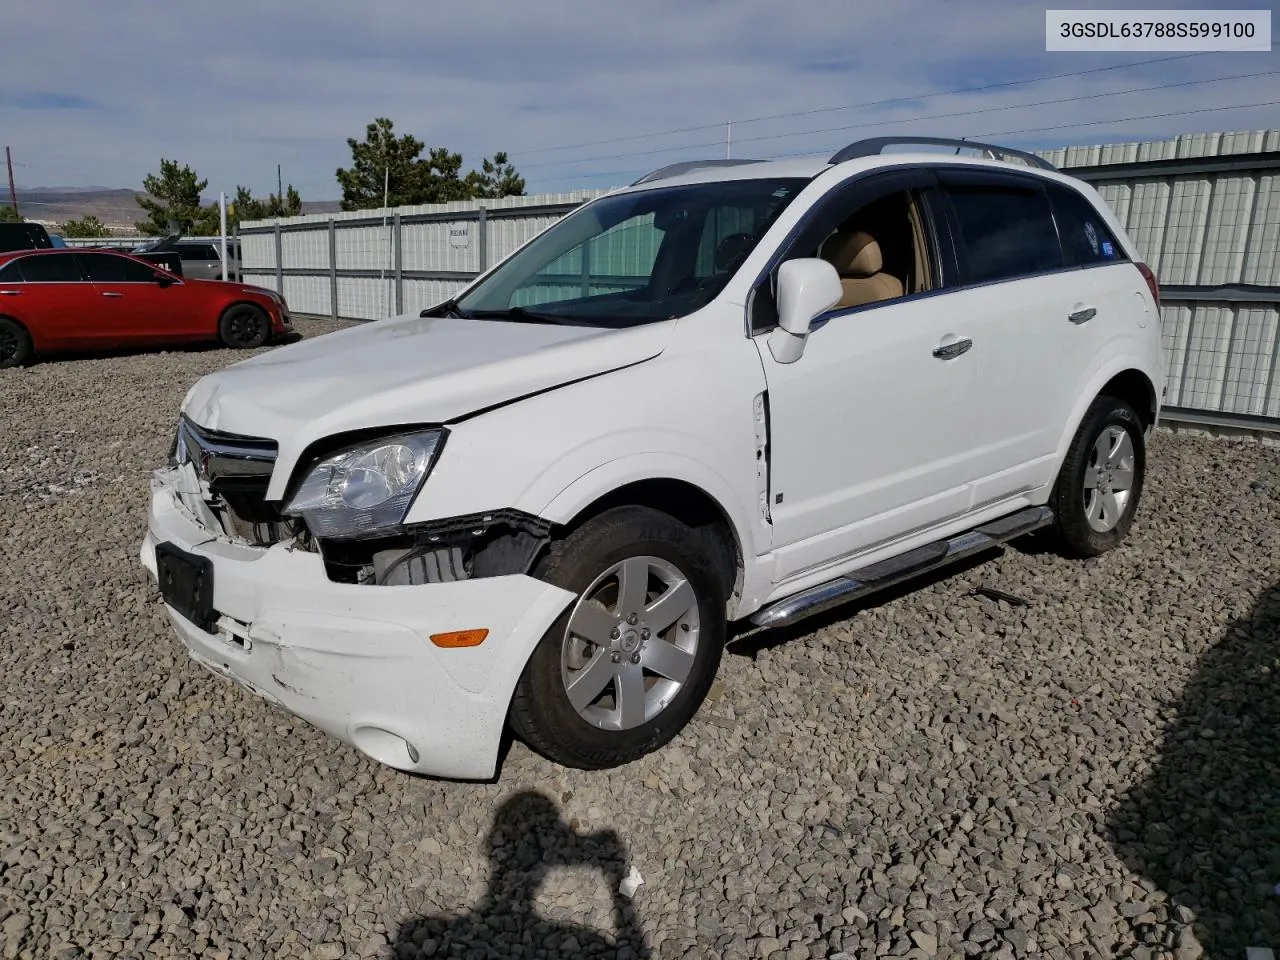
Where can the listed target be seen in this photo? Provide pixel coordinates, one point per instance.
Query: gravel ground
(1095, 774)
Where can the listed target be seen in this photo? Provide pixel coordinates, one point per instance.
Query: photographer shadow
(528, 839)
(1205, 824)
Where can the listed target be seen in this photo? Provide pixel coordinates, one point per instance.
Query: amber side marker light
(460, 638)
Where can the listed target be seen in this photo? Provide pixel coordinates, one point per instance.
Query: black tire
(15, 344)
(541, 712)
(1072, 501)
(244, 327)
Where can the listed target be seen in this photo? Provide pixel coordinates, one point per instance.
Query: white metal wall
(420, 294)
(1223, 357)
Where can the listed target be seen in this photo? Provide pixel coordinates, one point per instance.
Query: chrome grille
(224, 456)
(238, 470)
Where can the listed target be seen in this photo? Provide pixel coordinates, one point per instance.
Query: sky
(95, 92)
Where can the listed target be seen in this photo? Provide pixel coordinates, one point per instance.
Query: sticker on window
(1092, 236)
(1108, 249)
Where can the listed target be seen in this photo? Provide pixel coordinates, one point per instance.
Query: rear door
(47, 294)
(200, 260)
(1110, 293)
(1020, 291)
(135, 306)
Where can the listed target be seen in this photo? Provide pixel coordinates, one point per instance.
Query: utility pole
(728, 139)
(382, 274)
(222, 216)
(13, 194)
(279, 186)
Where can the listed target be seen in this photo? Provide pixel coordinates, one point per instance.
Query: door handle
(946, 351)
(10, 293)
(1083, 315)
(108, 293)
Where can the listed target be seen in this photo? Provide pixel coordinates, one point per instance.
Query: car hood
(401, 371)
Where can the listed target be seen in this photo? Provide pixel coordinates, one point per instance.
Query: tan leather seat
(857, 258)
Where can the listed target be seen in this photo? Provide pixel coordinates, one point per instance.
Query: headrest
(855, 253)
(731, 250)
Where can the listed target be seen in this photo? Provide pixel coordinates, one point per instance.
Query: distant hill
(115, 207)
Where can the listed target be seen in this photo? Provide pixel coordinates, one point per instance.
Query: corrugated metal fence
(1204, 210)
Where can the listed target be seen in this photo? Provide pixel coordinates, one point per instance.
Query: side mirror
(807, 288)
(164, 279)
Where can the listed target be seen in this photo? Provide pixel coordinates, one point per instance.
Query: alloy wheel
(246, 327)
(630, 643)
(1108, 479)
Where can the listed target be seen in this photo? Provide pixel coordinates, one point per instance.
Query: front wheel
(627, 666)
(244, 326)
(1101, 482)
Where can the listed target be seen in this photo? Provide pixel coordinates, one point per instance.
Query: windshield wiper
(447, 309)
(521, 315)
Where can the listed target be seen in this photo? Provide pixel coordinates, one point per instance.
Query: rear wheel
(15, 344)
(244, 326)
(626, 667)
(1098, 490)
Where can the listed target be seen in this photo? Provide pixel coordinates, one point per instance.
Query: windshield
(634, 258)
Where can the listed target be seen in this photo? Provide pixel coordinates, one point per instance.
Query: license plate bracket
(186, 584)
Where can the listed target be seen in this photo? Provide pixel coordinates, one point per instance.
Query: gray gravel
(1096, 774)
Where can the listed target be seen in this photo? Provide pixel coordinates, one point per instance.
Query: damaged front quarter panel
(491, 544)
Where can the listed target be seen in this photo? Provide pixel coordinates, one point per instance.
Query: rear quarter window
(1005, 232)
(1086, 239)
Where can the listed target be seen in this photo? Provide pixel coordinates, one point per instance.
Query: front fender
(553, 454)
(657, 464)
(752, 538)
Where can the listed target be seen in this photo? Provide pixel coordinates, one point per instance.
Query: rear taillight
(1150, 277)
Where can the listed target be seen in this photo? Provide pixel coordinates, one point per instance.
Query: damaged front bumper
(356, 660)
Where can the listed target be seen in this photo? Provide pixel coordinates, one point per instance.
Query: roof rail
(675, 169)
(875, 145)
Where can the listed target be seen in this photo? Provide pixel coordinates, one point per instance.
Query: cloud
(288, 82)
(40, 100)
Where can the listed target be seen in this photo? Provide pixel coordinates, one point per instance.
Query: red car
(73, 299)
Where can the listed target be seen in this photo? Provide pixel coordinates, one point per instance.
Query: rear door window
(108, 268)
(50, 268)
(1086, 240)
(1006, 232)
(197, 251)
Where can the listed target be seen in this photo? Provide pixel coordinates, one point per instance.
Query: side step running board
(886, 573)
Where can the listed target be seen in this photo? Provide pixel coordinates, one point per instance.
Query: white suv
(733, 391)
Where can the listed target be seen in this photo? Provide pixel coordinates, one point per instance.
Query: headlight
(366, 488)
(264, 290)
